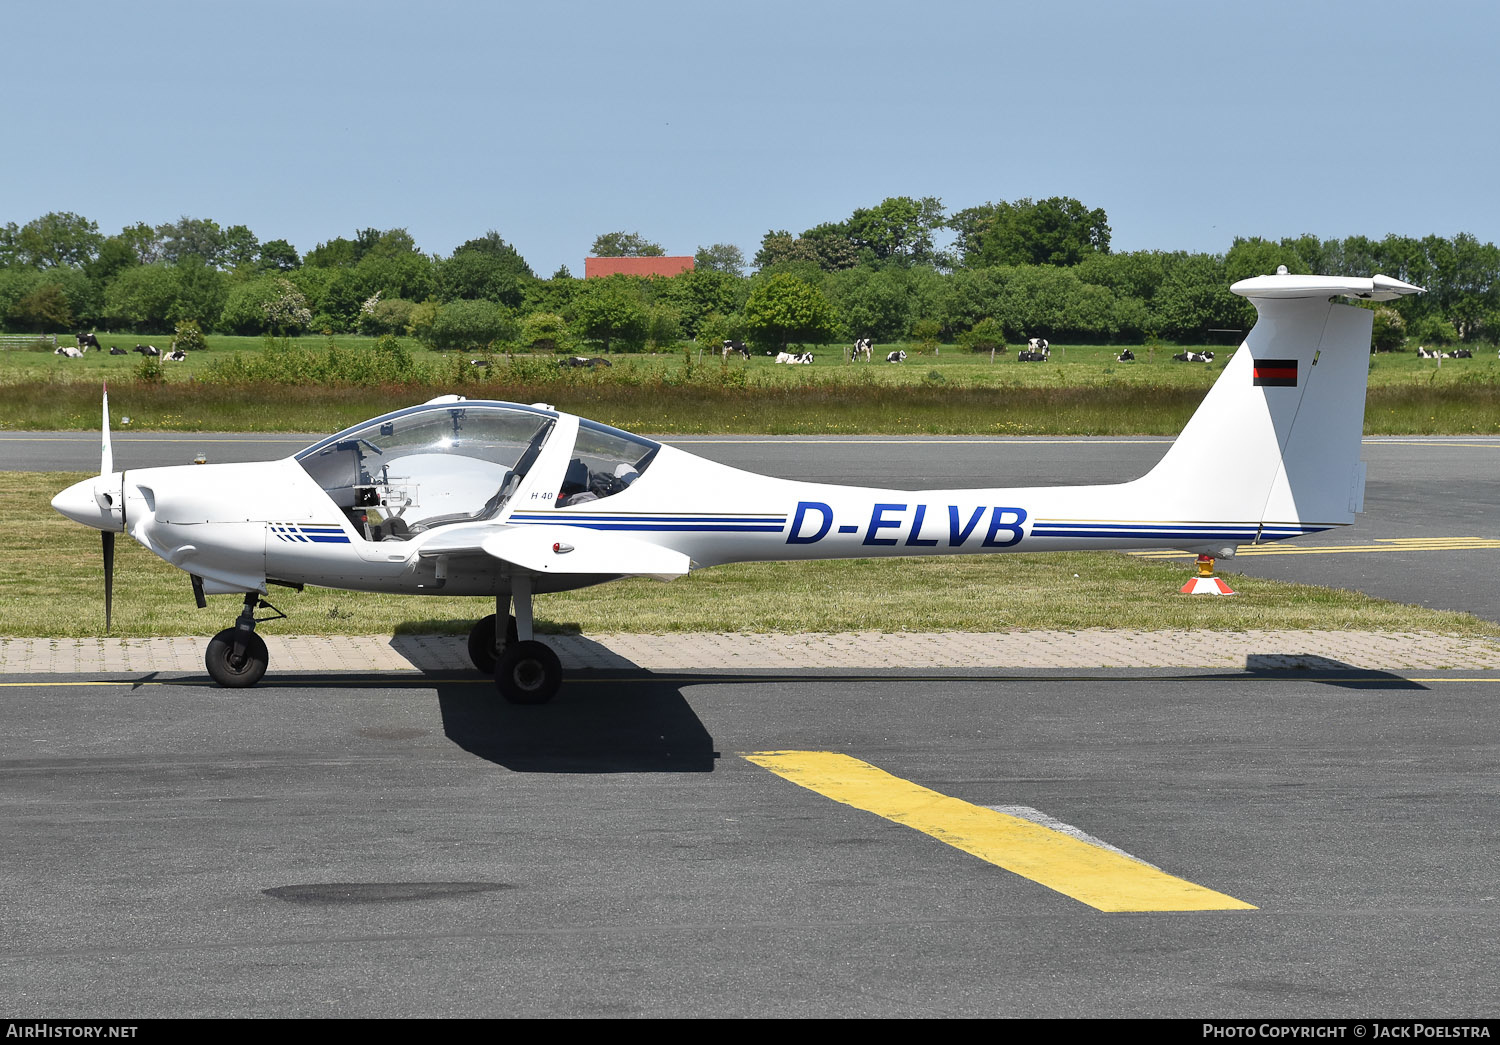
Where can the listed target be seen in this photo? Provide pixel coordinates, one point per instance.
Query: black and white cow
(177, 355)
(1194, 357)
(736, 346)
(861, 350)
(1036, 351)
(89, 341)
(114, 351)
(794, 357)
(898, 356)
(1126, 356)
(148, 350)
(69, 351)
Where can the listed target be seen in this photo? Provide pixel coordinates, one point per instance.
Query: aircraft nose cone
(93, 502)
(77, 503)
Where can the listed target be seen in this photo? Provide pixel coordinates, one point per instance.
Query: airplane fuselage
(242, 526)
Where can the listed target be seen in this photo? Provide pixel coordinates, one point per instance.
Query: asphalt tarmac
(358, 846)
(365, 845)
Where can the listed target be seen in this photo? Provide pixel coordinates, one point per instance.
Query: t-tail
(1276, 442)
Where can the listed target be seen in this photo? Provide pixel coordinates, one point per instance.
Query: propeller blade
(109, 576)
(106, 454)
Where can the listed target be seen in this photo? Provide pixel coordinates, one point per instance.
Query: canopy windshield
(430, 465)
(605, 461)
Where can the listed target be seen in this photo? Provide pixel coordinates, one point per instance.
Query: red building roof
(635, 266)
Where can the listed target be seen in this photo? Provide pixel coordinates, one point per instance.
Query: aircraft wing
(562, 550)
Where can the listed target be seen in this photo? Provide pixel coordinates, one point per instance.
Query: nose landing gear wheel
(482, 642)
(236, 658)
(528, 673)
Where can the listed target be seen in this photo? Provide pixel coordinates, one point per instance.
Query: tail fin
(1276, 440)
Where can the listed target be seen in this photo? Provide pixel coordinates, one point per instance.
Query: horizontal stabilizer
(1372, 288)
(578, 550)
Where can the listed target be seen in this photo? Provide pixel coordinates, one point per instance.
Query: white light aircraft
(459, 497)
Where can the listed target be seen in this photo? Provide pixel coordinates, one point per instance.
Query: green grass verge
(51, 577)
(1083, 391)
(811, 410)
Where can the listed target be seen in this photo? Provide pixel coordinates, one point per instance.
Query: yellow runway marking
(71, 682)
(1383, 544)
(1105, 880)
(418, 679)
(1401, 441)
(937, 440)
(126, 437)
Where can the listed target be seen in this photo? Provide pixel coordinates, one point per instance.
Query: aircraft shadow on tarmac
(1324, 670)
(616, 717)
(630, 719)
(592, 727)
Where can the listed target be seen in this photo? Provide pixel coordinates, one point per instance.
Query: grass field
(1082, 390)
(53, 587)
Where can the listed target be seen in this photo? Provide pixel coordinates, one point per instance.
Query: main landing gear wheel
(528, 673)
(236, 658)
(482, 642)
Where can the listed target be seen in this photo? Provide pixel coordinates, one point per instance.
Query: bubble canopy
(460, 461)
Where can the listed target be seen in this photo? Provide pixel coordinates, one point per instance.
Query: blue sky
(699, 123)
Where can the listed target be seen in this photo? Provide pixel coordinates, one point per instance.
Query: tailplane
(1276, 441)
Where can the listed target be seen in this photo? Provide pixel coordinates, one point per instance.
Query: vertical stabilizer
(1276, 440)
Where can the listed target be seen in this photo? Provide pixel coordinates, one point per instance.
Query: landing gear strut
(526, 671)
(236, 657)
(484, 650)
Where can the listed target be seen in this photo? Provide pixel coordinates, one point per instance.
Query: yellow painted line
(1387, 440)
(96, 682)
(1427, 540)
(1105, 880)
(934, 440)
(196, 679)
(268, 437)
(89, 438)
(414, 679)
(1387, 544)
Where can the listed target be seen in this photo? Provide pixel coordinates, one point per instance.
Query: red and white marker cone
(1206, 583)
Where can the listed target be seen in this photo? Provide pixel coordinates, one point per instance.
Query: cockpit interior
(408, 472)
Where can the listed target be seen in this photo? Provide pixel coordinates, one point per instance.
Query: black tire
(236, 671)
(482, 642)
(528, 673)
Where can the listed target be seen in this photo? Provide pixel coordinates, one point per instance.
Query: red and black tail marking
(1275, 373)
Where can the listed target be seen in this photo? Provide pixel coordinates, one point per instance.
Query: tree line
(1013, 270)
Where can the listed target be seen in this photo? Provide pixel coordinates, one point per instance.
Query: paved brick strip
(1090, 648)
